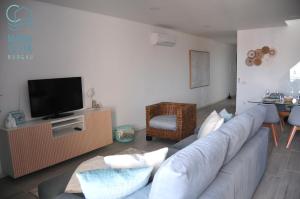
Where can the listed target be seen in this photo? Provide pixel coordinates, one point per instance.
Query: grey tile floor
(282, 177)
(281, 180)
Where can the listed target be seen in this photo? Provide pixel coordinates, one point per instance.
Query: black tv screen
(55, 96)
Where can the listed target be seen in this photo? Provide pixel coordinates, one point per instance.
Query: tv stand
(39, 144)
(57, 115)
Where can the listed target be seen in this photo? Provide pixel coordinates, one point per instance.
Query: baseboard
(212, 103)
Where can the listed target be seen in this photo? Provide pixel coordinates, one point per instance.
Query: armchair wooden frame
(185, 120)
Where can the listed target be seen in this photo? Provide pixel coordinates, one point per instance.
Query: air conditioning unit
(162, 39)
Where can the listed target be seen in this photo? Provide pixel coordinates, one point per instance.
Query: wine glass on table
(281, 99)
(267, 94)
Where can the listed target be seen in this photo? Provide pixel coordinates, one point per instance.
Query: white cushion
(210, 124)
(150, 159)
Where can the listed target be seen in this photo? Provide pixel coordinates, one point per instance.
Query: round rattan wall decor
(251, 54)
(255, 57)
(257, 61)
(265, 49)
(272, 52)
(249, 62)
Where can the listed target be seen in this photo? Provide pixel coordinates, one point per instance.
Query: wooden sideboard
(42, 143)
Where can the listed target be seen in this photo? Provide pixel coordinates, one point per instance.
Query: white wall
(233, 72)
(274, 73)
(116, 58)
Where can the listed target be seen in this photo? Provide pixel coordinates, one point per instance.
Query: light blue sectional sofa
(227, 164)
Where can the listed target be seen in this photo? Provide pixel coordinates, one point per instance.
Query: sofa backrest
(188, 173)
(237, 130)
(258, 113)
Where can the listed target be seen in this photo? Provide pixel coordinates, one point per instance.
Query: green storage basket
(124, 133)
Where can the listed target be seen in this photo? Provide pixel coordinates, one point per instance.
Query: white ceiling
(217, 19)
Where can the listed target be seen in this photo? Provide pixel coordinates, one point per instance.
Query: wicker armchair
(185, 120)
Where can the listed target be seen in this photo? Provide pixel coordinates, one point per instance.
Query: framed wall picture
(199, 68)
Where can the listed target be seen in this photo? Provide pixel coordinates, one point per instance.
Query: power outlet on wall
(241, 81)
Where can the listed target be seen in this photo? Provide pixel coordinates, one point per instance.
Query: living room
(109, 45)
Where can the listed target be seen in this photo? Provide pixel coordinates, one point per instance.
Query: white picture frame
(199, 68)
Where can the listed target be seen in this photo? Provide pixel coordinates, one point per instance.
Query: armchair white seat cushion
(166, 122)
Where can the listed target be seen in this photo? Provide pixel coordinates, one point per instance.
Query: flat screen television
(55, 97)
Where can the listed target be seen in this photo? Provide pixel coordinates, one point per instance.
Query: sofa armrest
(54, 187)
(171, 151)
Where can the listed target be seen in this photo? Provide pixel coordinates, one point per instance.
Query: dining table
(284, 106)
(287, 103)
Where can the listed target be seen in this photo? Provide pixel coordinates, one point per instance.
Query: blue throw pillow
(113, 183)
(224, 114)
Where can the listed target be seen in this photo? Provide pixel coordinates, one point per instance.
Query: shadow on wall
(294, 83)
(114, 116)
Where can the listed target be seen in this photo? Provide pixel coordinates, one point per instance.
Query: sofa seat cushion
(142, 193)
(185, 142)
(221, 188)
(237, 130)
(188, 172)
(258, 113)
(167, 122)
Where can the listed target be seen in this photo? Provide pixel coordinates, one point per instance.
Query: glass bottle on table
(280, 99)
(292, 93)
(276, 93)
(267, 94)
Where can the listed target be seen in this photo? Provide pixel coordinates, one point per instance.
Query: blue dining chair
(294, 120)
(283, 113)
(272, 120)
